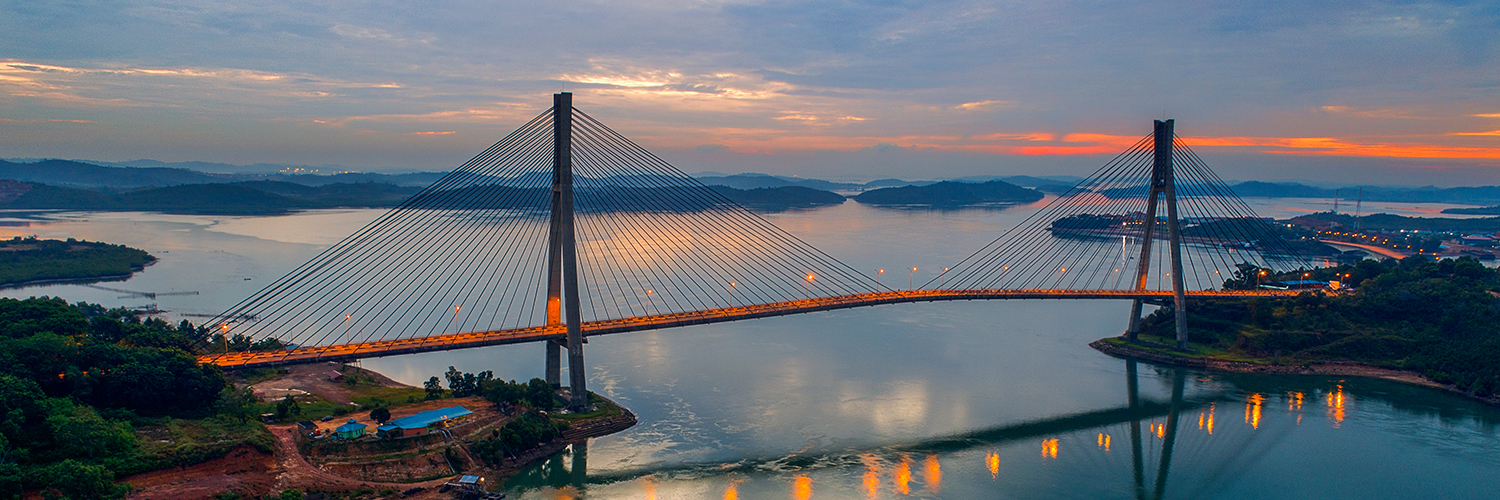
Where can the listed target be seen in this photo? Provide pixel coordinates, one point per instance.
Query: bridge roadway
(467, 340)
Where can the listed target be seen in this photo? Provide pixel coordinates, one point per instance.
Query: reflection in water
(802, 488)
(903, 475)
(932, 474)
(648, 484)
(1214, 456)
(1336, 406)
(1252, 409)
(1206, 419)
(872, 475)
(733, 491)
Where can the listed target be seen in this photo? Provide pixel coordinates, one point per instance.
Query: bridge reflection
(1153, 429)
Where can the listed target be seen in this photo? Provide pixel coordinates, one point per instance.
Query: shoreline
(1329, 368)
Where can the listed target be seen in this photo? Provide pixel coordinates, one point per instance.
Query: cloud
(986, 105)
(775, 78)
(447, 132)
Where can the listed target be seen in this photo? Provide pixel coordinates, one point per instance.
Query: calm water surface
(940, 400)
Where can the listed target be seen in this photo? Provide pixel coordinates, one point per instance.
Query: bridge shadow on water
(1137, 444)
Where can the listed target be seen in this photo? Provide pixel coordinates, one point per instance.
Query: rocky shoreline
(1331, 368)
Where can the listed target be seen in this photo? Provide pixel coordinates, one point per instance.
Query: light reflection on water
(853, 403)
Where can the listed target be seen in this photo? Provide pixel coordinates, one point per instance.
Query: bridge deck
(466, 340)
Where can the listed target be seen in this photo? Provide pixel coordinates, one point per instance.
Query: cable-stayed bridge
(566, 229)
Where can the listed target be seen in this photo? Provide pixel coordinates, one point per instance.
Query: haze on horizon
(1344, 92)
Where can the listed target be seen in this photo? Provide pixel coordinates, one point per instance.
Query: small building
(307, 427)
(350, 430)
(334, 375)
(425, 422)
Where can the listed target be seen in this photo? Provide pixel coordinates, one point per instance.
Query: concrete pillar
(562, 168)
(1164, 167)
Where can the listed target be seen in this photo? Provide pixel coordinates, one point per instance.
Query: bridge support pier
(1163, 185)
(554, 364)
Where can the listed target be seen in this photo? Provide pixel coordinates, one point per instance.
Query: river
(936, 400)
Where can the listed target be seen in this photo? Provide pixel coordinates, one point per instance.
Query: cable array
(468, 253)
(1090, 237)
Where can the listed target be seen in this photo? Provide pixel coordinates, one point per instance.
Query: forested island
(776, 199)
(951, 194)
(1439, 319)
(31, 260)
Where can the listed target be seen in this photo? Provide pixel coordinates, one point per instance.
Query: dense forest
(1438, 318)
(29, 259)
(77, 383)
(951, 194)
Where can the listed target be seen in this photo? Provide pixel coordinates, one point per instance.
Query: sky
(1335, 92)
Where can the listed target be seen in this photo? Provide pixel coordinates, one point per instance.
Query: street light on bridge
(912, 279)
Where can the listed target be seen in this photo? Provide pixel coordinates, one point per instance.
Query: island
(776, 199)
(30, 260)
(951, 194)
(1425, 321)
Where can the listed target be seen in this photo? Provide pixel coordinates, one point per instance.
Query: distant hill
(1427, 194)
(244, 198)
(754, 181)
(1495, 210)
(779, 198)
(1259, 189)
(77, 174)
(1389, 222)
(951, 194)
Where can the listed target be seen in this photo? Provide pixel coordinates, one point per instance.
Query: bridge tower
(562, 259)
(1163, 186)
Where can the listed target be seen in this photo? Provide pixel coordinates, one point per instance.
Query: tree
(380, 415)
(288, 406)
(237, 402)
(434, 388)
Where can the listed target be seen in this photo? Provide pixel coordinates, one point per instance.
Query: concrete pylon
(562, 259)
(1163, 186)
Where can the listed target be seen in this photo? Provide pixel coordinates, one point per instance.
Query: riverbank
(1121, 348)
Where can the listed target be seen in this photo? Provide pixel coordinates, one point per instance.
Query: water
(941, 400)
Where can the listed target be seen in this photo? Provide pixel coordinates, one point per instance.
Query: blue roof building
(350, 430)
(422, 423)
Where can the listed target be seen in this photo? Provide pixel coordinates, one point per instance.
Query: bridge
(565, 229)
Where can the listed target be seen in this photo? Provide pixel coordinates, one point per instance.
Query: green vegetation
(1438, 318)
(523, 433)
(88, 395)
(29, 259)
(951, 194)
(779, 198)
(1388, 222)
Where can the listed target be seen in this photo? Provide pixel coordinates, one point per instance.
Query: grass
(1165, 346)
(602, 408)
(173, 442)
